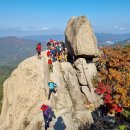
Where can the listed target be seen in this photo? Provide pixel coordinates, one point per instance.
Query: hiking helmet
(44, 107)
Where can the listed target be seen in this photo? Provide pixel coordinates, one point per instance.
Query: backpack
(53, 52)
(48, 113)
(48, 53)
(52, 85)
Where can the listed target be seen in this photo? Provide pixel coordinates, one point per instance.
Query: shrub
(123, 127)
(114, 76)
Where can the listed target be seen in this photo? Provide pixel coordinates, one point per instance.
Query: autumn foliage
(114, 77)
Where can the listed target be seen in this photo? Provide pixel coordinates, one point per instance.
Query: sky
(34, 17)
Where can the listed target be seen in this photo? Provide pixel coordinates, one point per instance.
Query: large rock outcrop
(80, 38)
(26, 89)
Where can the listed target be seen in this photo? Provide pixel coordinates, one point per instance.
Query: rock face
(27, 87)
(85, 70)
(80, 38)
(85, 74)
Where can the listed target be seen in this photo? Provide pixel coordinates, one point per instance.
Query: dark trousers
(39, 53)
(51, 91)
(46, 123)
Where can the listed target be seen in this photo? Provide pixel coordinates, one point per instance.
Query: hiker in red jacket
(39, 48)
(48, 53)
(50, 66)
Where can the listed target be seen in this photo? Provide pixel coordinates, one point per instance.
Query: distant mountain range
(45, 38)
(13, 50)
(123, 43)
(103, 38)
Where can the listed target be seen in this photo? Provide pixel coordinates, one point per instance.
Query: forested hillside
(5, 72)
(13, 50)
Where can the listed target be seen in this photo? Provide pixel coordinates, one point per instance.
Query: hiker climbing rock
(52, 88)
(48, 114)
(50, 65)
(39, 48)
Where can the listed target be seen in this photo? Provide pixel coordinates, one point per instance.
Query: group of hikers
(56, 52)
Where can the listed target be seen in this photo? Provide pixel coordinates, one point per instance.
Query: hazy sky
(27, 17)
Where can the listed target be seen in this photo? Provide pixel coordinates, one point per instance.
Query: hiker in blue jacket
(52, 88)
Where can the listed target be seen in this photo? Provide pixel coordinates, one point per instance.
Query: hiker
(60, 57)
(52, 88)
(51, 41)
(49, 45)
(48, 114)
(66, 54)
(39, 48)
(53, 53)
(57, 55)
(50, 65)
(48, 53)
(63, 56)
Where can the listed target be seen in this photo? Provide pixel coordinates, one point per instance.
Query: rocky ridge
(27, 88)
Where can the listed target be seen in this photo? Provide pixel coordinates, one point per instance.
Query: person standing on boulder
(39, 48)
(52, 88)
